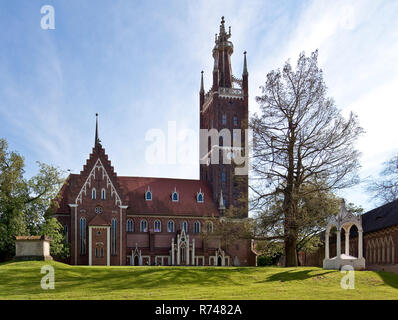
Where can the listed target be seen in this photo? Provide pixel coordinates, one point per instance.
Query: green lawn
(21, 280)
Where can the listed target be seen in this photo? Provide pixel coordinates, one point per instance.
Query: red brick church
(114, 220)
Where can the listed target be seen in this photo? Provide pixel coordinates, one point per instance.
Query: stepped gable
(73, 184)
(162, 189)
(98, 152)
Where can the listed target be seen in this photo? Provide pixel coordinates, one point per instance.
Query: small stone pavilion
(32, 248)
(344, 220)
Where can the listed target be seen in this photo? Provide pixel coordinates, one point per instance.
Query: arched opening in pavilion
(347, 225)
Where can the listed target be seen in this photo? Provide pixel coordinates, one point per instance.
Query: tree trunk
(290, 250)
(298, 258)
(291, 230)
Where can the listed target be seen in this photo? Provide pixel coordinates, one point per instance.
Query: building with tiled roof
(115, 220)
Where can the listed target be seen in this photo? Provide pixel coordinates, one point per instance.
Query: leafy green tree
(53, 229)
(23, 202)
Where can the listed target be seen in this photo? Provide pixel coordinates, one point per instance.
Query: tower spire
(202, 88)
(223, 36)
(222, 51)
(222, 26)
(245, 73)
(97, 140)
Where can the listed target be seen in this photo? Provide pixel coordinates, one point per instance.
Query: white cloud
(159, 54)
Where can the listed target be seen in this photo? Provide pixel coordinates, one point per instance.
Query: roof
(162, 189)
(381, 217)
(32, 238)
(65, 194)
(134, 189)
(98, 221)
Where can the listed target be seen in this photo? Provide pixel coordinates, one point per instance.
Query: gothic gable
(97, 170)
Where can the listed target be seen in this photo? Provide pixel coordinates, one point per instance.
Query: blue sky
(138, 63)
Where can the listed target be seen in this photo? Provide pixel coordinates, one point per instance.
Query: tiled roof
(376, 219)
(134, 189)
(162, 189)
(381, 217)
(65, 195)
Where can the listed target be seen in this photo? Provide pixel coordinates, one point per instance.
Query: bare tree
(300, 138)
(385, 188)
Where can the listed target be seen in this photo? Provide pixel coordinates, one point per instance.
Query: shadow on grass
(149, 278)
(19, 280)
(293, 275)
(75, 281)
(389, 278)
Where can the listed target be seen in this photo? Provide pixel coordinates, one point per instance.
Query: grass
(21, 280)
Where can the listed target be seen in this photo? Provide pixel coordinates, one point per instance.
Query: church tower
(224, 108)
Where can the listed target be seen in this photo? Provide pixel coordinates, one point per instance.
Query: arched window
(113, 235)
(196, 227)
(235, 121)
(200, 197)
(209, 227)
(96, 252)
(102, 252)
(174, 196)
(224, 119)
(170, 226)
(103, 194)
(93, 194)
(223, 176)
(82, 236)
(66, 233)
(184, 226)
(157, 226)
(130, 225)
(143, 226)
(148, 195)
(235, 137)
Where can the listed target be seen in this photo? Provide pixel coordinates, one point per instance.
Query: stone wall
(32, 248)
